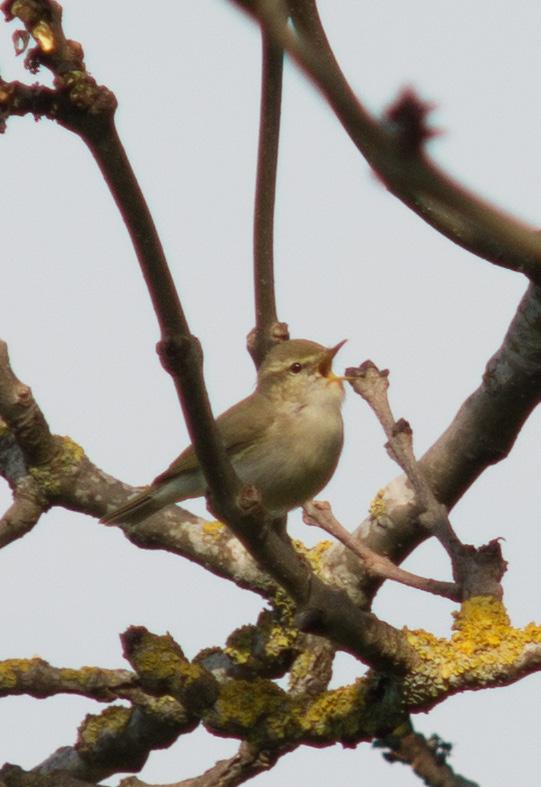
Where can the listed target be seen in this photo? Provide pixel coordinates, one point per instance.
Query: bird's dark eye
(295, 367)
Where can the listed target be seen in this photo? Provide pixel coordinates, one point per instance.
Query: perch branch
(322, 609)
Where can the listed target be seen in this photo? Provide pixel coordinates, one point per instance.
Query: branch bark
(481, 434)
(407, 172)
(267, 328)
(426, 756)
(246, 764)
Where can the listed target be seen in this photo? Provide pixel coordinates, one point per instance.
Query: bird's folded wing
(239, 427)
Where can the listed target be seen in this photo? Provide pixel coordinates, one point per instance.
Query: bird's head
(300, 370)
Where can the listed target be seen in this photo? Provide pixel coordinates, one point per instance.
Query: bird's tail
(135, 510)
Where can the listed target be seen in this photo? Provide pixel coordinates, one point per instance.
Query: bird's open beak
(325, 366)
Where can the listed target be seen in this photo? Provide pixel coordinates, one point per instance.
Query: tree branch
(322, 609)
(267, 328)
(407, 172)
(36, 678)
(22, 416)
(481, 434)
(476, 571)
(426, 756)
(13, 776)
(319, 513)
(247, 763)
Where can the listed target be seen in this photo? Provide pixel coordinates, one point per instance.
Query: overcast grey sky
(351, 262)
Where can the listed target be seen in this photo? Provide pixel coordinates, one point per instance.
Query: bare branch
(37, 678)
(486, 426)
(23, 514)
(22, 416)
(267, 328)
(311, 672)
(481, 434)
(372, 384)
(247, 763)
(89, 112)
(476, 571)
(319, 513)
(379, 644)
(458, 214)
(426, 756)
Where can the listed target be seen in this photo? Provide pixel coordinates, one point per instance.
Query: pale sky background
(351, 262)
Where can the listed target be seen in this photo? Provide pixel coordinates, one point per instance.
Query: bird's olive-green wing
(239, 426)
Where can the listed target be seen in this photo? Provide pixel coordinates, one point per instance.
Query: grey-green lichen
(109, 724)
(66, 460)
(163, 668)
(260, 712)
(159, 659)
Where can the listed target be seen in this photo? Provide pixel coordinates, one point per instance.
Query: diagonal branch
(22, 416)
(426, 756)
(320, 514)
(476, 571)
(407, 172)
(244, 765)
(322, 609)
(481, 434)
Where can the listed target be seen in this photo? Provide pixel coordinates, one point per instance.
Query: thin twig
(266, 325)
(247, 763)
(426, 756)
(372, 384)
(476, 571)
(454, 211)
(319, 513)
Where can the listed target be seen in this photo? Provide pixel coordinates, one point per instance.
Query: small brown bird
(285, 438)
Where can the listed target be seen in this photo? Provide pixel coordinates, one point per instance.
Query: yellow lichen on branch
(43, 35)
(65, 462)
(484, 650)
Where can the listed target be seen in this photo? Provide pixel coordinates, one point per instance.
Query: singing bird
(285, 438)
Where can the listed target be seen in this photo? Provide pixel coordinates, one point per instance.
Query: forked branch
(405, 169)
